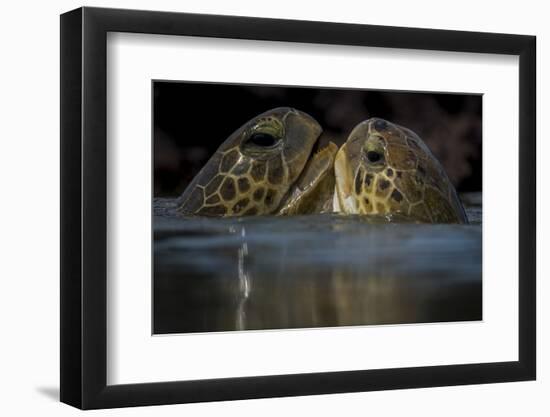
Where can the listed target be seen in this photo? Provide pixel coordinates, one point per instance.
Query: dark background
(192, 119)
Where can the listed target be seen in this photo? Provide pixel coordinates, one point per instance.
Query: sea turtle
(313, 191)
(265, 167)
(386, 169)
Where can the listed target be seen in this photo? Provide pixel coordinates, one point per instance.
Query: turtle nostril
(374, 156)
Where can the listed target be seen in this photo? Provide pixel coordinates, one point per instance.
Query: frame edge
(528, 207)
(70, 211)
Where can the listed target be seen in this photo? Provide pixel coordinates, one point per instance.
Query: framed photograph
(257, 208)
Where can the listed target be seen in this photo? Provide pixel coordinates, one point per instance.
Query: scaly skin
(253, 171)
(386, 169)
(313, 191)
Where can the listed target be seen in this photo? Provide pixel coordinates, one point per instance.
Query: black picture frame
(83, 207)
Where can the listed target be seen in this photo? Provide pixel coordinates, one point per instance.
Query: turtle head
(361, 167)
(255, 167)
(386, 169)
(282, 140)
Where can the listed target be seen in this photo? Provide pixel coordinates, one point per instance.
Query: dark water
(312, 271)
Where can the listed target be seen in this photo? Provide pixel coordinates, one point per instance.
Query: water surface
(312, 271)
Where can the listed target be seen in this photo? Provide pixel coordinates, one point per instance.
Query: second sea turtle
(385, 169)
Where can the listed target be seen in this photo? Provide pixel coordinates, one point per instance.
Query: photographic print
(319, 214)
(281, 207)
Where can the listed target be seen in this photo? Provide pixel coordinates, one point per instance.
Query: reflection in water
(244, 283)
(311, 271)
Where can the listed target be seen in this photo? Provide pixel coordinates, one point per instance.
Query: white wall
(29, 176)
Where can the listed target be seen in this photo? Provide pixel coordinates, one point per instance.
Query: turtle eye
(374, 156)
(264, 140)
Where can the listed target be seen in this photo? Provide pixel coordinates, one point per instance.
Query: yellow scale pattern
(244, 188)
(392, 190)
